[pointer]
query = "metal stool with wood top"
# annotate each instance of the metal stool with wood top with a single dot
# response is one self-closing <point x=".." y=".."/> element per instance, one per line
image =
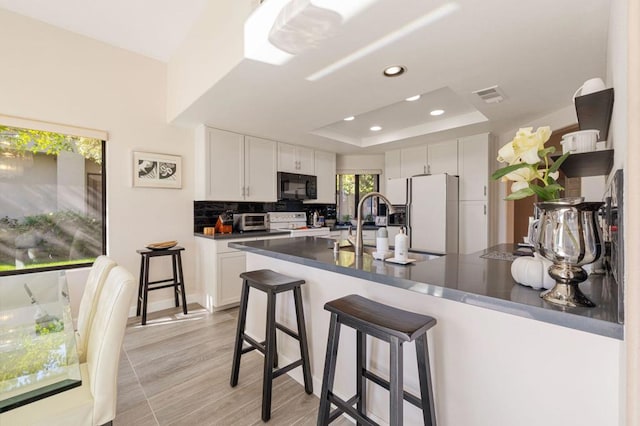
<point x="271" y="283"/>
<point x="177" y="281"/>
<point x="389" y="324"/>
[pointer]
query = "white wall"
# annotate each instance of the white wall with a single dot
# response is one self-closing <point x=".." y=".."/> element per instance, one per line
<point x="617" y="78"/>
<point x="53" y="75"/>
<point x="212" y="48"/>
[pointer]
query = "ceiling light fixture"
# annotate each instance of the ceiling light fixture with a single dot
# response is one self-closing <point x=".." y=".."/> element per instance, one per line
<point x="394" y="71"/>
<point x="423" y="21"/>
<point x="375" y="128"/>
<point x="437" y="112"/>
<point x="412" y="98"/>
<point x="350" y="118"/>
<point x="277" y="30"/>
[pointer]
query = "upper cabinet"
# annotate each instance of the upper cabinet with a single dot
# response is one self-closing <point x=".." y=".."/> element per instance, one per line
<point x="392" y="164"/>
<point x="260" y="169"/>
<point x="413" y="161"/>
<point x="443" y="158"/>
<point x="295" y="159"/>
<point x="473" y="167"/>
<point x="234" y="167"/>
<point x="325" y="170"/>
<point x="431" y="159"/>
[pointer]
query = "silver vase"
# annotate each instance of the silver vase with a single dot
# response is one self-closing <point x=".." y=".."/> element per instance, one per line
<point x="569" y="235"/>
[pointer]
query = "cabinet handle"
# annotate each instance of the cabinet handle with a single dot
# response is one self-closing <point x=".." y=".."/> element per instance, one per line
<point x="243" y="191"/>
<point x="485" y="190"/>
<point x="428" y="169"/>
<point x="485" y="209"/>
<point x="247" y="194"/>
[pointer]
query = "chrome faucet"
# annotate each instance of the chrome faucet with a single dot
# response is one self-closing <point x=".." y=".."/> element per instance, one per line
<point x="358" y="246"/>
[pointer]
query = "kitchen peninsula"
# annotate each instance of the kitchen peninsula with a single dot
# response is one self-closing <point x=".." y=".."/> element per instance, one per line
<point x="500" y="355"/>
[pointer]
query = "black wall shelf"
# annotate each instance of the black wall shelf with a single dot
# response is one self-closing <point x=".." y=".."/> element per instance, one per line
<point x="594" y="111"/>
<point x="583" y="164"/>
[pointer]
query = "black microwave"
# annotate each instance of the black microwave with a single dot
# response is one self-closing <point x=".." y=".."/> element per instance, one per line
<point x="292" y="186"/>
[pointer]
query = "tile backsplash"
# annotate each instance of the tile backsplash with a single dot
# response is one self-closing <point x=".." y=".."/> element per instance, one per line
<point x="205" y="213"/>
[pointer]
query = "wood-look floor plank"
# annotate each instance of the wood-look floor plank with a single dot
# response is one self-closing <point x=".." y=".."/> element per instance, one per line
<point x="175" y="371"/>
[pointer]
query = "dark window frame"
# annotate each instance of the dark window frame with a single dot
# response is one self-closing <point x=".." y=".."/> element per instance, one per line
<point x="103" y="171"/>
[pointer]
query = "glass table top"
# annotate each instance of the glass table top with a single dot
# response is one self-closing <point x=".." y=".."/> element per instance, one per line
<point x="38" y="355"/>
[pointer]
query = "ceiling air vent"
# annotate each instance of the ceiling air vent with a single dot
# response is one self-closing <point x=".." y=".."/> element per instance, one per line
<point x="491" y="95"/>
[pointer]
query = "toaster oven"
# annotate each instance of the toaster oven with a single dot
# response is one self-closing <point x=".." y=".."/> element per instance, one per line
<point x="250" y="221"/>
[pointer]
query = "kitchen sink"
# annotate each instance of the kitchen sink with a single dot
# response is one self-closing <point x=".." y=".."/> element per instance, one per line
<point x="368" y="251"/>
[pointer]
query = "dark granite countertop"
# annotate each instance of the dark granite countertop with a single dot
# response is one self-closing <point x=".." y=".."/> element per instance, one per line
<point x="235" y="235"/>
<point x="468" y="279"/>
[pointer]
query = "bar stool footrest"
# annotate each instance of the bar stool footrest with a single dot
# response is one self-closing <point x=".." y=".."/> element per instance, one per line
<point x="385" y="384"/>
<point x="287" y="330"/>
<point x="254" y="344"/>
<point x="347" y="407"/>
<point x="287" y="368"/>
<point x="158" y="287"/>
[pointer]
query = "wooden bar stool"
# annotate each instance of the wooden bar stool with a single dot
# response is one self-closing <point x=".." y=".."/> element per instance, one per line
<point x="389" y="324"/>
<point x="145" y="286"/>
<point x="271" y="283"/>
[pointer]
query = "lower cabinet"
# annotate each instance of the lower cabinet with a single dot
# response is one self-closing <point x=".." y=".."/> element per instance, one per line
<point x="230" y="266"/>
<point x="473" y="232"/>
<point x="218" y="269"/>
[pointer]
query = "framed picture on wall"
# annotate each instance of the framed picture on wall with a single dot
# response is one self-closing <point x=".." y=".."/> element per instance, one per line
<point x="151" y="170"/>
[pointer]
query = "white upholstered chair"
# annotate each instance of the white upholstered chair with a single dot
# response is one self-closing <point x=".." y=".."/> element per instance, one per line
<point x="93" y="403"/>
<point x="97" y="276"/>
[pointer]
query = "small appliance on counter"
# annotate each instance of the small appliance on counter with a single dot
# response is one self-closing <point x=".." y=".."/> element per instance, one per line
<point x="250" y="222"/>
<point x="224" y="224"/>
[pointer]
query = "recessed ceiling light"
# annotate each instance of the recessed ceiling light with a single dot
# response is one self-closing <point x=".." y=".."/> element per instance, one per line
<point x="350" y="118"/>
<point x="394" y="71"/>
<point x="413" y="98"/>
<point x="437" y="112"/>
<point x="375" y="128"/>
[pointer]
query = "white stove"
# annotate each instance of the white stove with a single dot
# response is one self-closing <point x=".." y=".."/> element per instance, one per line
<point x="295" y="223"/>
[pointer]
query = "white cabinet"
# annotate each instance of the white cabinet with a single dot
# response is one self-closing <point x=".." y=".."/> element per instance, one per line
<point x="392" y="164"/>
<point x="473" y="167"/>
<point x="230" y="266"/>
<point x="432" y="159"/>
<point x="218" y="269"/>
<point x="325" y="170"/>
<point x="413" y="161"/>
<point x="443" y="158"/>
<point x="295" y="159"/>
<point x="233" y="167"/>
<point x="260" y="183"/>
<point x="473" y="226"/>
<point x="477" y="206"/>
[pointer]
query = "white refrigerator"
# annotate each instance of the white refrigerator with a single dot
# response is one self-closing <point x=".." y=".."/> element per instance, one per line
<point x="432" y="211"/>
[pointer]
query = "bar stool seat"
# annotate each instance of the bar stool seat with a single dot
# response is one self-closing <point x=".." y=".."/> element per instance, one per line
<point x="271" y="283"/>
<point x="394" y="326"/>
<point x="176" y="281"/>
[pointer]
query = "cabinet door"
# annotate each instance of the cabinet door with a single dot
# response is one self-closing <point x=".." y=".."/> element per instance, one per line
<point x="226" y="165"/>
<point x="287" y="161"/>
<point x="392" y="164"/>
<point x="443" y="158"/>
<point x="325" y="170"/>
<point x="260" y="169"/>
<point x="473" y="226"/>
<point x="305" y="158"/>
<point x="413" y="161"/>
<point x="230" y="266"/>
<point x="473" y="167"/>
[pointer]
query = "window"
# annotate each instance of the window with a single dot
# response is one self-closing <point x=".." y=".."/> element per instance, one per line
<point x="351" y="188"/>
<point x="52" y="203"/>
